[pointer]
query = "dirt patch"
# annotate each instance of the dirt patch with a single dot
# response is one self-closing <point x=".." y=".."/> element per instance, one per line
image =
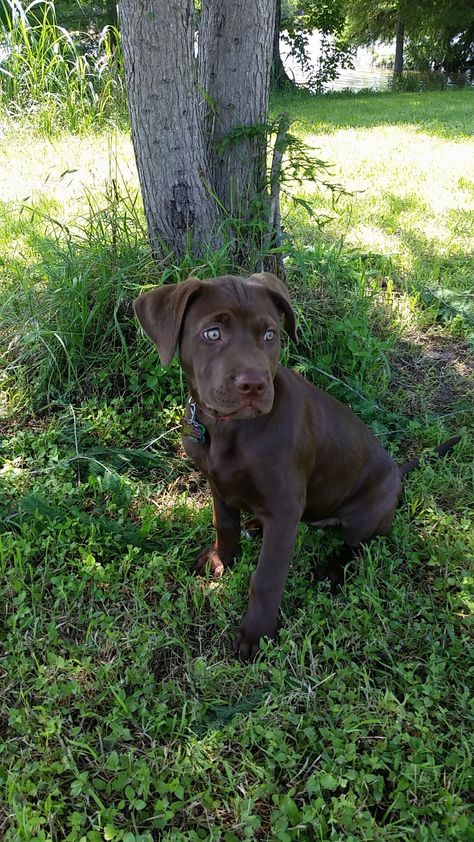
<point x="431" y="373"/>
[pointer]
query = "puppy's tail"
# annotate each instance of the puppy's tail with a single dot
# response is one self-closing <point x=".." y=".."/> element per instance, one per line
<point x="441" y="450"/>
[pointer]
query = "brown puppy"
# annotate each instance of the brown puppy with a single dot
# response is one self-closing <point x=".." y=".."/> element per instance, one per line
<point x="267" y="441"/>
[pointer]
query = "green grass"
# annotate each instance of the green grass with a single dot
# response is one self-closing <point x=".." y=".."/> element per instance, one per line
<point x="445" y="115"/>
<point x="54" y="79"/>
<point x="407" y="159"/>
<point x="123" y="713"/>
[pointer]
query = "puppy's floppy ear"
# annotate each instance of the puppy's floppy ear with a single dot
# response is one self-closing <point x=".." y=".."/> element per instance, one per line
<point x="279" y="294"/>
<point x="160" y="313"/>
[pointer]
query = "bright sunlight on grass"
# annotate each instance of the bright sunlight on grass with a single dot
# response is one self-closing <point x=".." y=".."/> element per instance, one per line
<point x="123" y="714"/>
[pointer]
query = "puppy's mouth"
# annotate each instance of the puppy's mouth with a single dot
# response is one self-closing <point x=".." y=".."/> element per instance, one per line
<point x="247" y="408"/>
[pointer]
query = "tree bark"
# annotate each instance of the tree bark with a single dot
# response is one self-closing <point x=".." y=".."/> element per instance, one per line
<point x="398" y="66"/>
<point x="235" y="53"/>
<point x="111" y="13"/>
<point x="279" y="76"/>
<point x="158" y="48"/>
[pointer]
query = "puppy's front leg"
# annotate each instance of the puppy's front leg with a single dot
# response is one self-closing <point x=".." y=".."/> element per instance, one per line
<point x="226" y="547"/>
<point x="267" y="582"/>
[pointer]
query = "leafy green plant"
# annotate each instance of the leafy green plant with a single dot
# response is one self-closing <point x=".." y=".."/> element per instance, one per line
<point x="253" y="237"/>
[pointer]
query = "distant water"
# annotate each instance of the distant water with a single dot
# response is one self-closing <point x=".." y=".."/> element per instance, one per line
<point x="365" y="73"/>
<point x="377" y="78"/>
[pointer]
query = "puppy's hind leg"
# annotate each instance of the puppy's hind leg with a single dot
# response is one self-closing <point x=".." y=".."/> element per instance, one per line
<point x="334" y="571"/>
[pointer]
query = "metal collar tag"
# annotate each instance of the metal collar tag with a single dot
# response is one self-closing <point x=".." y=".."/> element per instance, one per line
<point x="192" y="429"/>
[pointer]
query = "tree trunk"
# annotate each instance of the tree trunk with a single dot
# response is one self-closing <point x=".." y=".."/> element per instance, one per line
<point x="280" y="78"/>
<point x="398" y="66"/>
<point x="111" y="13"/>
<point x="158" y="48"/>
<point x="111" y="16"/>
<point x="235" y="52"/>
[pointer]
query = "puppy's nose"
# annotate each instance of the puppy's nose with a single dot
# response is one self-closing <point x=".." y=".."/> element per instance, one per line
<point x="251" y="384"/>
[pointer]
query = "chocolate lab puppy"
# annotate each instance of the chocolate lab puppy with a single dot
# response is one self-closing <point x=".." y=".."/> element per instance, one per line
<point x="267" y="441"/>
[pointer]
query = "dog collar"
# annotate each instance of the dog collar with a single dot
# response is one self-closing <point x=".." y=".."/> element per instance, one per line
<point x="192" y="429"/>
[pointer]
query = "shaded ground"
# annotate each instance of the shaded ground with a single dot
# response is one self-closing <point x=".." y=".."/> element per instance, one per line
<point x="433" y="373"/>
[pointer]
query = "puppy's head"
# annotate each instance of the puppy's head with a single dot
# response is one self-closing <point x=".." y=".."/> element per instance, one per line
<point x="228" y="332"/>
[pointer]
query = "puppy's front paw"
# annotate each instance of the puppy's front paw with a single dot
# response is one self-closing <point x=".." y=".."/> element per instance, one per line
<point x="211" y="562"/>
<point x="253" y="627"/>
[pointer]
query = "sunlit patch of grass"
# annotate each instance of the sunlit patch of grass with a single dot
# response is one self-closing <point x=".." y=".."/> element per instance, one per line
<point x="411" y="203"/>
<point x="447" y="115"/>
<point x="380" y="167"/>
<point x="59" y="171"/>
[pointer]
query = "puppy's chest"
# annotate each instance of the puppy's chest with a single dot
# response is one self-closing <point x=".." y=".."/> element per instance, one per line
<point x="227" y="467"/>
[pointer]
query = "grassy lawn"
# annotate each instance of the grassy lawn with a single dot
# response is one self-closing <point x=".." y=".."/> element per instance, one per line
<point x="123" y="714"/>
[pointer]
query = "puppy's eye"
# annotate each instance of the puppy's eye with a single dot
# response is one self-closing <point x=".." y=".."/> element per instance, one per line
<point x="269" y="335"/>
<point x="212" y="335"/>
